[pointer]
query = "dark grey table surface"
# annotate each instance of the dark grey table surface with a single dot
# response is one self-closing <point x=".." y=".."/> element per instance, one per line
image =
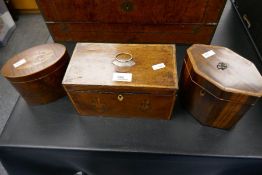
<point x="57" y="125"/>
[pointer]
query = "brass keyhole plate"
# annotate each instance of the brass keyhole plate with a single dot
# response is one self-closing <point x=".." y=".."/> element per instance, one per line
<point x="127" y="6"/>
<point x="202" y="93"/>
<point x="120" y="97"/>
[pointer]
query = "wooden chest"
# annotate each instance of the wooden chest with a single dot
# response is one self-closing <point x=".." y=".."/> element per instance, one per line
<point x="132" y="21"/>
<point x="37" y="73"/>
<point x="218" y="86"/>
<point x="95" y="88"/>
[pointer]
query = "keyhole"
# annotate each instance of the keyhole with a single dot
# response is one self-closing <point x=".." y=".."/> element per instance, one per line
<point x="120" y="97"/>
<point x="202" y="93"/>
<point x="127" y="6"/>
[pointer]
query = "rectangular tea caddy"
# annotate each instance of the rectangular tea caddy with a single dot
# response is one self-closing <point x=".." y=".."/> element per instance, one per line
<point x="96" y="88"/>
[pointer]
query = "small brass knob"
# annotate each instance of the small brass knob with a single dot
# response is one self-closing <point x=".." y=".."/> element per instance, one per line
<point x="120" y="97"/>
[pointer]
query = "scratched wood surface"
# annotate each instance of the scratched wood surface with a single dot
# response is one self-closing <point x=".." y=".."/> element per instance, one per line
<point x="151" y="93"/>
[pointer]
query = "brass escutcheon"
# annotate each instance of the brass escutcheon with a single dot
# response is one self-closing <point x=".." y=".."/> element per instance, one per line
<point x="202" y="93"/>
<point x="120" y="97"/>
<point x="127" y="6"/>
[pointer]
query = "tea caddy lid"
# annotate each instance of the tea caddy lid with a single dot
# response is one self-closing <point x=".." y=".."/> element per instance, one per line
<point x="34" y="62"/>
<point x="91" y="68"/>
<point x="225" y="69"/>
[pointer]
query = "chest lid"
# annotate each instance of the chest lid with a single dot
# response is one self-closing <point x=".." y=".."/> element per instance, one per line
<point x="91" y="68"/>
<point x="225" y="69"/>
<point x="34" y="62"/>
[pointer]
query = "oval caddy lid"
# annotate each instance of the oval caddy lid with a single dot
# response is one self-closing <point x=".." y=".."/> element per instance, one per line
<point x="226" y="69"/>
<point x="33" y="62"/>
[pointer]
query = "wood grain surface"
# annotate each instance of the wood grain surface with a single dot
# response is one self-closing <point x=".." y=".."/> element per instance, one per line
<point x="151" y="93"/>
<point x="130" y="33"/>
<point x="139" y="21"/>
<point x="218" y="98"/>
<point x="240" y="76"/>
<point x="37" y="73"/>
<point x="39" y="60"/>
<point x="140" y="12"/>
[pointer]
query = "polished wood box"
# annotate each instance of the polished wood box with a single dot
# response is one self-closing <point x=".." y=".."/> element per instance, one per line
<point x="218" y="86"/>
<point x="132" y="21"/>
<point x="151" y="93"/>
<point x="37" y="73"/>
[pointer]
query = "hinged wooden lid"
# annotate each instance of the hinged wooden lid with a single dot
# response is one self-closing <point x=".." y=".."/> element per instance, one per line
<point x="225" y="69"/>
<point x="34" y="62"/>
<point x="91" y="68"/>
